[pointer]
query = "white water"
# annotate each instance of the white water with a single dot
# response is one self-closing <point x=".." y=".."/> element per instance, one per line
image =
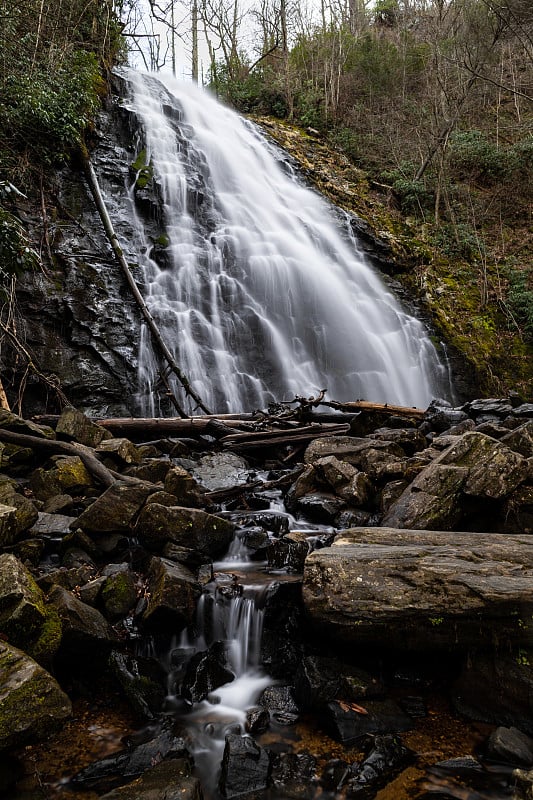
<point x="238" y="621"/>
<point x="267" y="295"/>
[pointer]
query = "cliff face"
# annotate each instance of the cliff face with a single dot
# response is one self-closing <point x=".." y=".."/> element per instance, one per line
<point x="80" y="322"/>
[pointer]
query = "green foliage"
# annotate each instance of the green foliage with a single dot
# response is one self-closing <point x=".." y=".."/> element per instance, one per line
<point x="458" y="240"/>
<point x="45" y="113"/>
<point x="257" y="91"/>
<point x="413" y="194"/>
<point x="520" y="298"/>
<point x="473" y="155"/>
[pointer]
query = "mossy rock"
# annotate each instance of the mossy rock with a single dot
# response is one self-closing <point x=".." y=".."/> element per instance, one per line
<point x="32" y="703"/>
<point x="68" y="475"/>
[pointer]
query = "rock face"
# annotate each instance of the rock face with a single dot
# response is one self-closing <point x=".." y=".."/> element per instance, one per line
<point x="420" y="590"/>
<point x="31" y="702"/>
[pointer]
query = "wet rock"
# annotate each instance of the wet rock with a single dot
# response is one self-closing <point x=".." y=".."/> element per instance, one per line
<point x="510" y="746"/>
<point x="408" y="589"/>
<point x="116" y="509"/>
<point x="496" y="408"/>
<point x="173" y="592"/>
<point x="185" y="527"/>
<point x="384" y="758"/>
<point x="73" y="425"/>
<point x="29" y="551"/>
<point x="319" y="680"/>
<point x="245" y="767"/>
<point x="465" y="777"/>
<point x="257" y="720"/>
<point x="221" y="470"/>
<point x="142" y="681"/>
<point x="294" y="775"/>
<point x="319" y="506"/>
<point x="517" y="513"/>
<point x="31" y="701"/>
<point x="85" y="630"/>
<point x="279" y="701"/>
<point x="54" y="525"/>
<point x="390" y="493"/>
<point x="289" y="552"/>
<point x="185" y="489"/>
<point x="68" y="475"/>
<point x="120" y="450"/>
<point x="170" y="780"/>
<point x="127" y="764"/>
<point x="205" y="672"/>
<point x="349" y="722"/>
<point x="497" y="688"/>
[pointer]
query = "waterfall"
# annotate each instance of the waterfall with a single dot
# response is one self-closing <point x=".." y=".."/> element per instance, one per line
<point x="263" y="293"/>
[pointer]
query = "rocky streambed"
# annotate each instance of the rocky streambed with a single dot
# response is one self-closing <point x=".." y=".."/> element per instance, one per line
<point x="348" y="618"/>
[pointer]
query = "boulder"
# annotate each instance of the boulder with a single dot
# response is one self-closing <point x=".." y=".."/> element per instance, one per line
<point x="24" y="618"/>
<point x="173" y="592"/>
<point x="116" y="509"/>
<point x="54" y="525"/>
<point x="289" y="552"/>
<point x="85" y="630"/>
<point x="187" y="527"/>
<point x="31" y="701"/>
<point x="119" y="594"/>
<point x="121" y="451"/>
<point x="73" y="425"/>
<point x="497" y="688"/>
<point x="294" y="775"/>
<point x="143" y="682"/>
<point x="205" y="672"/>
<point x="350" y="722"/>
<point x="520" y="439"/>
<point x="185" y="489"/>
<point x="11" y="422"/>
<point x="421" y="590"/>
<point x="26" y="510"/>
<point x="245" y="767"/>
<point x="220" y="470"/>
<point x="68" y="475"/>
<point x="510" y="746"/>
<point x="475" y="466"/>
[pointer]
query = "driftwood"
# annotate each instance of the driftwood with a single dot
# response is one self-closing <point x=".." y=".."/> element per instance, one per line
<point x="95" y="467"/>
<point x="275" y="438"/>
<point x="208" y="424"/>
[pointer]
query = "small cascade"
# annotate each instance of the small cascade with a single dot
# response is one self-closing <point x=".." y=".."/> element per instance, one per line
<point x="227" y="643"/>
<point x="256" y="283"/>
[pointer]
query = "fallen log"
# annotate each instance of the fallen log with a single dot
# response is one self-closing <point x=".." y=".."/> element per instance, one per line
<point x="384" y="408"/>
<point x="282" y="438"/>
<point x="158" y="426"/>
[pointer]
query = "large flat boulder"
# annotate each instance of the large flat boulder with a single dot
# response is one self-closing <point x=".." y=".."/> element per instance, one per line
<point x="31" y="701"/>
<point x="419" y="590"/>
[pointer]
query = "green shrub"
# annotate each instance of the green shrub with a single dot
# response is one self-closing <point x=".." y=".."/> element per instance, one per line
<point x="472" y="155"/>
<point x="520" y="298"/>
<point x="16" y="255"/>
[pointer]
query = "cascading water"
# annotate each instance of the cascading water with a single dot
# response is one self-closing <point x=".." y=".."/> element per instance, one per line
<point x="263" y="293"/>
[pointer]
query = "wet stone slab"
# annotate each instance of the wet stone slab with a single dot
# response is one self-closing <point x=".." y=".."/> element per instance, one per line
<point x="420" y="590"/>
